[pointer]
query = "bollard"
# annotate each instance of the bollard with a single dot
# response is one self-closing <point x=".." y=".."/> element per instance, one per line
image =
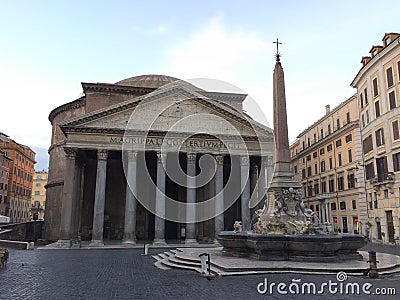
<point x="203" y="259"/>
<point x="146" y="248"/>
<point x="373" y="265"/>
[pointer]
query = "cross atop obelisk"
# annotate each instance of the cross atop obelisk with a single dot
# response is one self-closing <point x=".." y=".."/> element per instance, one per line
<point x="277" y="55"/>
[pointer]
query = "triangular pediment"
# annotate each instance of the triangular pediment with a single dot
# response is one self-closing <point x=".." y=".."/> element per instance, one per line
<point x="178" y="107"/>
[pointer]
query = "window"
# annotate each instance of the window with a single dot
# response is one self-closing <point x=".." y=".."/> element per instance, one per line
<point x="321" y="151"/>
<point x="342" y="205"/>
<point x="340" y="181"/>
<point x="386" y="194"/>
<point x="323" y="166"/>
<point x="367" y="144"/>
<point x="353" y="204"/>
<point x="350" y="181"/>
<point x="37" y="193"/>
<point x="338" y="143"/>
<point x="303" y="173"/>
<point x="315" y="138"/>
<point x="396" y="162"/>
<point x="350" y="156"/>
<point x="340" y="159"/>
<point x="395" y="126"/>
<point x="337" y="123"/>
<point x="392" y="100"/>
<point x="348" y="138"/>
<point x="322" y="133"/>
<point x="379" y="137"/>
<point x="387" y="41"/>
<point x="330" y="163"/>
<point x="331" y="184"/>
<point x="308" y="171"/>
<point x="348" y="117"/>
<point x="315" y="154"/>
<point x="308" y="142"/>
<point x="398" y="69"/>
<point x="367" y="116"/>
<point x="363" y="121"/>
<point x="361" y="101"/>
<point x="375" y="86"/>
<point x="316" y="168"/>
<point x="389" y="77"/>
<point x="375" y="200"/>
<point x="316" y="187"/>
<point x="323" y="185"/>
<point x="377" y="109"/>
<point x="308" y="157"/>
<point x="329" y="128"/>
<point x="369" y="170"/>
<point x="309" y="190"/>
<point x="38" y="184"/>
<point x="295" y="169"/>
<point x="365" y="96"/>
<point x="329" y="147"/>
<point x="333" y="206"/>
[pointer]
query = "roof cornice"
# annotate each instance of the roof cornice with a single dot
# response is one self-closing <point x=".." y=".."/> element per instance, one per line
<point x="115" y="88"/>
<point x="374" y="60"/>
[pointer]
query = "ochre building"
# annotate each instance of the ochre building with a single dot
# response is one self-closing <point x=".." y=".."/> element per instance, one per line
<point x="325" y="159"/>
<point x="378" y="95"/>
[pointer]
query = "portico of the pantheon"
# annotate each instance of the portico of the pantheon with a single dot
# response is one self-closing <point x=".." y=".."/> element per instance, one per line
<point x="154" y="159"/>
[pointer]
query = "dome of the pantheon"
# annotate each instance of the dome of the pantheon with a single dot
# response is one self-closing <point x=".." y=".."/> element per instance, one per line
<point x="147" y="81"/>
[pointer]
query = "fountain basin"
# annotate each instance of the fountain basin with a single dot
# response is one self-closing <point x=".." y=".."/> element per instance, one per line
<point x="297" y="247"/>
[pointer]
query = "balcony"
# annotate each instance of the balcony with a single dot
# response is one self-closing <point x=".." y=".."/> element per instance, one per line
<point x="322" y="196"/>
<point x="383" y="180"/>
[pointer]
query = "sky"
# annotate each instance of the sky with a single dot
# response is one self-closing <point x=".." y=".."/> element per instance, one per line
<point x="47" y="48"/>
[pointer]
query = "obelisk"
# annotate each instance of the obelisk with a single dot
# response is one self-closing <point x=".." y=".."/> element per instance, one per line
<point x="282" y="175"/>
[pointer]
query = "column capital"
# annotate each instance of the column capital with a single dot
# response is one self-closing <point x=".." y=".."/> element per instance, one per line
<point x="102" y="154"/>
<point x="191" y="158"/>
<point x="161" y="157"/>
<point x="219" y="159"/>
<point x="244" y="160"/>
<point x="132" y="155"/>
<point x="70" y="152"/>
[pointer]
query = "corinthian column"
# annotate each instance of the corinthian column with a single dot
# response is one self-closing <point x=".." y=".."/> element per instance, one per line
<point x="99" y="199"/>
<point x="69" y="202"/>
<point x="130" y="202"/>
<point x="219" y="196"/>
<point x="159" y="235"/>
<point x="191" y="199"/>
<point x="245" y="197"/>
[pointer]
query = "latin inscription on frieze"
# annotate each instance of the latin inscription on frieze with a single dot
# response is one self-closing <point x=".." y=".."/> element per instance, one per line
<point x="177" y="143"/>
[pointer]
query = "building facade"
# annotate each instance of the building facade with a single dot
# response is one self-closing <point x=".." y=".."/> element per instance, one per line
<point x="5" y="162"/>
<point x="325" y="158"/>
<point x="378" y="94"/>
<point x="116" y="151"/>
<point x="38" y="201"/>
<point x="21" y="169"/>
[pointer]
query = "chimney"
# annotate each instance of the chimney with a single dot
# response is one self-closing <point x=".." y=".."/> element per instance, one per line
<point x="327" y="109"/>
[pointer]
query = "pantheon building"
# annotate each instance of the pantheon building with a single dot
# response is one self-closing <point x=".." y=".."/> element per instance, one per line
<point x="154" y="159"/>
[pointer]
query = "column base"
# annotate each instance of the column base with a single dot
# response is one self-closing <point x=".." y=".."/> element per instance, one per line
<point x="159" y="242"/>
<point x="128" y="242"/>
<point x="96" y="243"/>
<point x="69" y="244"/>
<point x="190" y="241"/>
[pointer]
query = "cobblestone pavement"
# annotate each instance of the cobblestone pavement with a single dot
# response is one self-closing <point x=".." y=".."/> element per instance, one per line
<point x="126" y="274"/>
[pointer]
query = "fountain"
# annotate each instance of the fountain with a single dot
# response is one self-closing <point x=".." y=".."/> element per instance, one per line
<point x="284" y="229"/>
